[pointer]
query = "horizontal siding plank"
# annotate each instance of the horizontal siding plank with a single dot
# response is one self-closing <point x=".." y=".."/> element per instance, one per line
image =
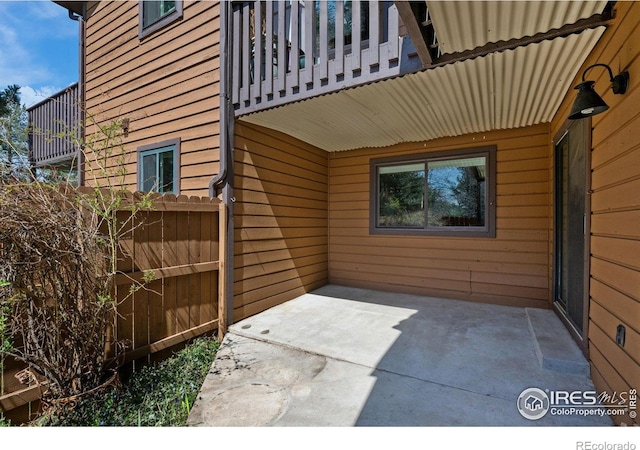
<point x="620" y="251"/>
<point x="284" y="254"/>
<point x="257" y="209"/>
<point x="392" y="286"/>
<point x="259" y="247"/>
<point x="621" y="224"/>
<point x="291" y="178"/>
<point x="620" y="196"/>
<point x="293" y="190"/>
<point x="341" y="254"/>
<point x="628" y="369"/>
<point x="608" y="323"/>
<point x="616" y="302"/>
<point x="619" y="170"/>
<point x="622" y="279"/>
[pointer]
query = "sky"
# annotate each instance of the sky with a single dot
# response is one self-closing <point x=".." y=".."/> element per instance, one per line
<point x="38" y="48"/>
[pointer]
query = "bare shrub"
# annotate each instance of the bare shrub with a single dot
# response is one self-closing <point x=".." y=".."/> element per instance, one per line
<point x="58" y="284"/>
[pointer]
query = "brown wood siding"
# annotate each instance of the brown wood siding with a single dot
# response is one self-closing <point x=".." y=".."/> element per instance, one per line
<point x="615" y="208"/>
<point x="281" y="241"/>
<point x="166" y="84"/>
<point x="511" y="269"/>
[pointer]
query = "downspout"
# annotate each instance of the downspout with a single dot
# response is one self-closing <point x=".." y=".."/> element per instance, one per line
<point x="81" y="80"/>
<point x="223" y="180"/>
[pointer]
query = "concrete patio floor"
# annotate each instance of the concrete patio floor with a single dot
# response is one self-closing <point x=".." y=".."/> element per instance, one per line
<point x="352" y="357"/>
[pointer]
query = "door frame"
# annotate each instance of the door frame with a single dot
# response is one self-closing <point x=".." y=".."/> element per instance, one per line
<point x="581" y="339"/>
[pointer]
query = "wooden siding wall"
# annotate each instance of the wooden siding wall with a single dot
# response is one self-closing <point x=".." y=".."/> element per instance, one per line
<point x="511" y="269"/>
<point x="615" y="207"/>
<point x="280" y="219"/>
<point x="166" y="84"/>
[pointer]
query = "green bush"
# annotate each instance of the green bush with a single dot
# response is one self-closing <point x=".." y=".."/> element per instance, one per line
<point x="158" y="395"/>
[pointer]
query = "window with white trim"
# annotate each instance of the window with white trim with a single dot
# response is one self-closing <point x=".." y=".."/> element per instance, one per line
<point x="446" y="193"/>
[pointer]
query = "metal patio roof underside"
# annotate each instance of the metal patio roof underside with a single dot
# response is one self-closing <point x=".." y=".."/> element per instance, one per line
<point x="510" y="89"/>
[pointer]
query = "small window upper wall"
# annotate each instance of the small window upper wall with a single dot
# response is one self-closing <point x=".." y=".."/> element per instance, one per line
<point x="156" y="14"/>
<point x="159" y="167"/>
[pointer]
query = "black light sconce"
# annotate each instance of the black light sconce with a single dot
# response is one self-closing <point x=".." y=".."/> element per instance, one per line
<point x="588" y="102"/>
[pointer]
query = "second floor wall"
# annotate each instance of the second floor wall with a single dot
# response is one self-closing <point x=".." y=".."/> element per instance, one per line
<point x="155" y="74"/>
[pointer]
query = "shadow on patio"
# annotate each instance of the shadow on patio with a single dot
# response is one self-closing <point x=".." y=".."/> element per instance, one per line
<point x="344" y="356"/>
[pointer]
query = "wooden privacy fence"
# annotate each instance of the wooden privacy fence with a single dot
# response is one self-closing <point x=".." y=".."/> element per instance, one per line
<point x="180" y="243"/>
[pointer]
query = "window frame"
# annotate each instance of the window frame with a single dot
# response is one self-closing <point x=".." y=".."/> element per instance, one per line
<point x="155" y="148"/>
<point x="486" y="231"/>
<point x="161" y="22"/>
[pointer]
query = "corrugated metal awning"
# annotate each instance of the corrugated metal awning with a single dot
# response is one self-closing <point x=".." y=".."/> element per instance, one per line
<point x="510" y="89"/>
<point x="464" y="25"/>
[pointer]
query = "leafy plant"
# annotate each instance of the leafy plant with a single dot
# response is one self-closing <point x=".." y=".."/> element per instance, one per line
<point x="4" y="422"/>
<point x="158" y="395"/>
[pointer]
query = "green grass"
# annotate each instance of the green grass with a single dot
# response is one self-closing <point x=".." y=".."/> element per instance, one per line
<point x="157" y="395"/>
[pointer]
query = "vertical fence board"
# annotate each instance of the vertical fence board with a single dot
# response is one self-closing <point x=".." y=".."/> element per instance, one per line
<point x="206" y="302"/>
<point x="158" y="328"/>
<point x="141" y="262"/>
<point x="194" y="258"/>
<point x="125" y="264"/>
<point x="182" y="303"/>
<point x="222" y="286"/>
<point x="182" y="288"/>
<point x="124" y="321"/>
<point x="157" y="320"/>
<point x="153" y="245"/>
<point x="170" y="259"/>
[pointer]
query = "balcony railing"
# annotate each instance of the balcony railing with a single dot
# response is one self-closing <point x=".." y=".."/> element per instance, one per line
<point x="284" y="51"/>
<point x="55" y="128"/>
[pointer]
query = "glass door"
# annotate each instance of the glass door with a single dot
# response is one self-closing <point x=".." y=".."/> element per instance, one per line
<point x="571" y="223"/>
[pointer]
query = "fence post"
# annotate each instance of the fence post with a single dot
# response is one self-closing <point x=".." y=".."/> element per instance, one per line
<point x="222" y="285"/>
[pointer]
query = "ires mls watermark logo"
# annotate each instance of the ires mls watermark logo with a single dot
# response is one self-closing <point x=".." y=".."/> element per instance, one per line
<point x="534" y="403"/>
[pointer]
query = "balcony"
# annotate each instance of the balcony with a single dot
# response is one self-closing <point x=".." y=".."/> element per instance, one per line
<point x="286" y="51"/>
<point x="55" y="128"/>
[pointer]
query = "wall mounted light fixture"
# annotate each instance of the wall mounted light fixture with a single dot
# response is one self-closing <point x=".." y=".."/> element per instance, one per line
<point x="588" y="102"/>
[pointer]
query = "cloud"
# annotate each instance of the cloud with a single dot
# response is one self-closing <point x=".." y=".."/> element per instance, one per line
<point x="16" y="66"/>
<point x="30" y="96"/>
<point x="38" y="44"/>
